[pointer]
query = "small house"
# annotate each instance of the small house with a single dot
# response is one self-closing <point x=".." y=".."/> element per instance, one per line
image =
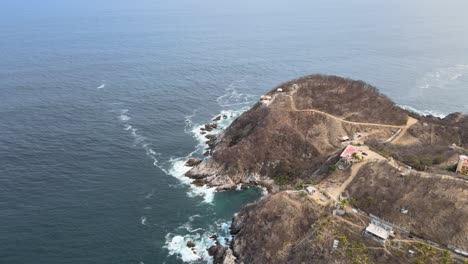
<point x="310" y="190"/>
<point x="279" y="90"/>
<point x="339" y="212"/>
<point x="348" y="152"/>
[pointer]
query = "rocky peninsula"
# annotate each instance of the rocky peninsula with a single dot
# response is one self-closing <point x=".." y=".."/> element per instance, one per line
<point x="352" y="178"/>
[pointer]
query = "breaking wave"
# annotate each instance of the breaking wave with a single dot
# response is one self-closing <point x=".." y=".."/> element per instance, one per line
<point x="178" y="169"/>
<point x="423" y="112"/>
<point x="194" y="129"/>
<point x="101" y="86"/>
<point x="140" y="140"/>
<point x="176" y="241"/>
<point x="177" y="244"/>
<point x="234" y="98"/>
<point x="176" y="166"/>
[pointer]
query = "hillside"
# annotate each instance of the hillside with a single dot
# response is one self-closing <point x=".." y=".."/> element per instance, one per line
<point x="290" y="136"/>
<point x="398" y="175"/>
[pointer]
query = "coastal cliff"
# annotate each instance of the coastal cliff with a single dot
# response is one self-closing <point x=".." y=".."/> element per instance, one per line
<point x="291" y="142"/>
<point x="289" y="136"/>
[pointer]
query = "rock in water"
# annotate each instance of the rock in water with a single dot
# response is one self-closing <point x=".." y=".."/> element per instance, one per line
<point x="190" y="244"/>
<point x="217" y="252"/>
<point x="193" y="162"/>
<point x="210" y="127"/>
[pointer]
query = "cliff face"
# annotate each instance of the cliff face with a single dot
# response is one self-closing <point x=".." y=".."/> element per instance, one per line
<point x="276" y="223"/>
<point x="295" y="133"/>
<point x="291" y="135"/>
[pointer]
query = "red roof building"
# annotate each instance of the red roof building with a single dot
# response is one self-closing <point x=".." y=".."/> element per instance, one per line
<point x="349" y="150"/>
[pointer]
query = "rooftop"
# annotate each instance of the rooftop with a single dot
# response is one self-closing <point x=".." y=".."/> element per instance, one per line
<point x="377" y="231"/>
<point x="349" y="150"/>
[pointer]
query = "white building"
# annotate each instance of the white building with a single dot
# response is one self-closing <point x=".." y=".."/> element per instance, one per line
<point x="311" y="190"/>
<point x="377" y="233"/>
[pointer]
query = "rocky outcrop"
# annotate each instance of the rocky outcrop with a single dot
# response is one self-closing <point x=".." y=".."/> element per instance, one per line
<point x="193" y="162"/>
<point x="215" y="174"/>
<point x="209" y="127"/>
<point x="190" y="244"/>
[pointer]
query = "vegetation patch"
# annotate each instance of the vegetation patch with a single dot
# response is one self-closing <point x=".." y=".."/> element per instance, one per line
<point x="355" y="251"/>
<point x="300" y="185"/>
<point x="282" y="180"/>
<point x="420" y="157"/>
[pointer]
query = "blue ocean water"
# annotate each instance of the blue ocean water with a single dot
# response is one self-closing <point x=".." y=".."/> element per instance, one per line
<point x="99" y="101"/>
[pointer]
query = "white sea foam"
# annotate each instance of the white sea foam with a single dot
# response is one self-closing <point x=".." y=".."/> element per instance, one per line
<point x="101" y="86"/>
<point x="140" y="140"/>
<point x="234" y="98"/>
<point x="188" y="121"/>
<point x="176" y="243"/>
<point x="191" y="218"/>
<point x="264" y="191"/>
<point x="149" y="195"/>
<point x="178" y="170"/>
<point x="444" y="78"/>
<point x="423" y="112"/>
<point x="222" y="124"/>
<point x="177" y="165"/>
<point x="123" y="115"/>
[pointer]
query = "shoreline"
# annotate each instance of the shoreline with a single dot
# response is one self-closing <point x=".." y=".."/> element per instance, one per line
<point x="212" y="172"/>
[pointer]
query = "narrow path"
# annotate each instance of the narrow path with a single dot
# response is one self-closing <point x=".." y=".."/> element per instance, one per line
<point x="411" y="121"/>
<point x="339" y="218"/>
<point x="429" y="175"/>
<point x="294" y="108"/>
<point x="335" y="192"/>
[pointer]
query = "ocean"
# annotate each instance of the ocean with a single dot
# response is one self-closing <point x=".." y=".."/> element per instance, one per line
<point x="101" y="101"/>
